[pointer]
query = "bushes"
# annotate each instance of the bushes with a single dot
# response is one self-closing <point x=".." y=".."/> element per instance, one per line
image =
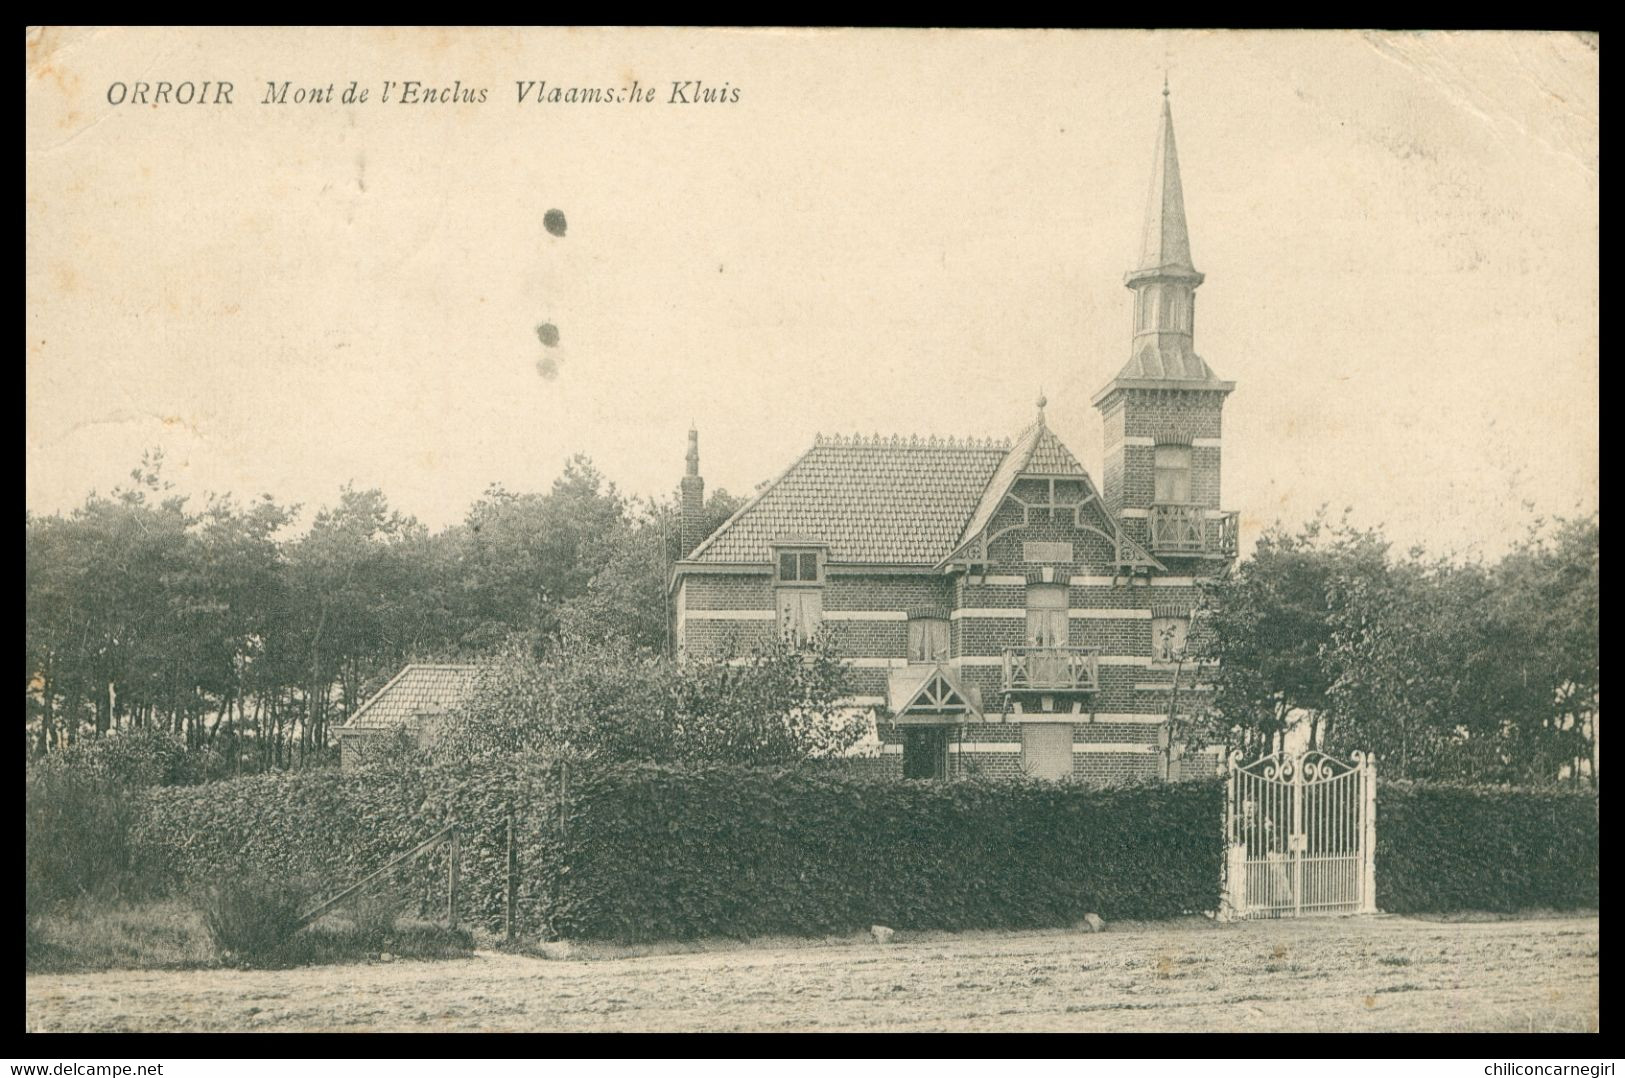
<point x="638" y="852"/>
<point x="75" y="827"/>
<point x="649" y="852"/>
<point x="251" y="915"/>
<point x="656" y="853"/>
<point x="1443" y="848"/>
<point x="335" y="827"/>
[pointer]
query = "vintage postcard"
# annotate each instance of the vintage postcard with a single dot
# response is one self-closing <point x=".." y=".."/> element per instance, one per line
<point x="788" y="530"/>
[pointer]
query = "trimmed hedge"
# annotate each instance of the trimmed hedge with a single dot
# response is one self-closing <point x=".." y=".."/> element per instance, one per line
<point x="327" y="829"/>
<point x="648" y="852"/>
<point x="1442" y="848"/>
<point x="640" y="852"/>
<point x="661" y="853"/>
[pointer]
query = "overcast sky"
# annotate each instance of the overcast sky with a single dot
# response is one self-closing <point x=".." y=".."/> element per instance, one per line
<point x="893" y="232"/>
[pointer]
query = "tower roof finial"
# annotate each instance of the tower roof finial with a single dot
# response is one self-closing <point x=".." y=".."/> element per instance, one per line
<point x="1042" y="402"/>
<point x="1164" y="82"/>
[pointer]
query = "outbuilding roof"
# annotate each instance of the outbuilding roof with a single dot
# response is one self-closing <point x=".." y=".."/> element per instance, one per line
<point x="418" y="691"/>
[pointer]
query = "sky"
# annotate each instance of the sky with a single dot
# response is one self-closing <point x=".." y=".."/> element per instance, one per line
<point x="887" y="231"/>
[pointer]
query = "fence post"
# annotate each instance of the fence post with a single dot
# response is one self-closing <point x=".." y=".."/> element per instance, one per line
<point x="510" y="896"/>
<point x="454" y="863"/>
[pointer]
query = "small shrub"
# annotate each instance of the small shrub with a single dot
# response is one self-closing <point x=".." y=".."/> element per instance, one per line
<point x="250" y="917"/>
<point x="76" y="830"/>
<point x="373" y="915"/>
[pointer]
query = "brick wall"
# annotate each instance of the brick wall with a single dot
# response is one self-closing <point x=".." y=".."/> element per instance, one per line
<point x="1127" y="479"/>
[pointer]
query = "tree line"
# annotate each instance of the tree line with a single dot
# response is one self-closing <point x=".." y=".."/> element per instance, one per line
<point x="212" y="622"/>
<point x="1448" y="669"/>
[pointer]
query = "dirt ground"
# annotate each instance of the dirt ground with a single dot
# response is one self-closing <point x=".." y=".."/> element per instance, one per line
<point x="1358" y="974"/>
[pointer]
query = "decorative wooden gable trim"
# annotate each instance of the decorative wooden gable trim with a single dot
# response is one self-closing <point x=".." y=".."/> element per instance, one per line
<point x="939" y="693"/>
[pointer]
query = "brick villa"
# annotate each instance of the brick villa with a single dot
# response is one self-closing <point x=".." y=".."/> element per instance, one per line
<point x="1002" y="612"/>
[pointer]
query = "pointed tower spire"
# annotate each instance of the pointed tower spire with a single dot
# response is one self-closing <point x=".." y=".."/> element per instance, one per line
<point x="1165" y="281"/>
<point x="1167" y="243"/>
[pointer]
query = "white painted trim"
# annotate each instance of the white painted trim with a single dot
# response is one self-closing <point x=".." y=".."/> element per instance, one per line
<point x="1021" y="612"/>
<point x="865" y="615"/>
<point x="1134" y="514"/>
<point x="862" y="701"/>
<point x="729" y="615"/>
<point x="876" y="663"/>
<point x="1127" y="747"/>
<point x="1094" y="581"/>
<point x="890" y="749"/>
<point x="1079" y="718"/>
<point x="1173" y="581"/>
<point x="998" y="660"/>
<point x="1166" y="685"/>
<point x="1149" y="442"/>
<point x="1008" y="580"/>
<point x="985" y="746"/>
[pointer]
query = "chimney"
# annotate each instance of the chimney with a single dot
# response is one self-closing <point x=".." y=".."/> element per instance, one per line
<point x="693" y="497"/>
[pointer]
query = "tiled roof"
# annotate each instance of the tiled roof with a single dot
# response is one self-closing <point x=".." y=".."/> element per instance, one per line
<point x="890" y="500"/>
<point x="419" y="689"/>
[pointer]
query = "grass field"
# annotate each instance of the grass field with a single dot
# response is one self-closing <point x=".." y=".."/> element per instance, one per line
<point x="1374" y="974"/>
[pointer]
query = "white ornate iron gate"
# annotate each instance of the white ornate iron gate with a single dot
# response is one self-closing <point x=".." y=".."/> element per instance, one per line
<point x="1301" y="829"/>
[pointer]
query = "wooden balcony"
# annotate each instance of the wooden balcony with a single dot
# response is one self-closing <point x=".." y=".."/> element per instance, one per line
<point x="1188" y="529"/>
<point x="1044" y="669"/>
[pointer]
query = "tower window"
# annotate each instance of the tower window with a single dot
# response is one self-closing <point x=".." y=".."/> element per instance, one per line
<point x="1173" y="474"/>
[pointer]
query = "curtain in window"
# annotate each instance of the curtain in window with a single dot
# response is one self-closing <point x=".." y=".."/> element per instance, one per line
<point x="1173" y="475"/>
<point x="927" y="640"/>
<point x="801" y="612"/>
<point x="1046" y="615"/>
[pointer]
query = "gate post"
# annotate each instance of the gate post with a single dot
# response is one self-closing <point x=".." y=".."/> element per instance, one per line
<point x="1233" y="894"/>
<point x="1368" y="839"/>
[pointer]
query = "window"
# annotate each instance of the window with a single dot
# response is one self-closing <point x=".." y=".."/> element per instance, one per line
<point x="925" y="754"/>
<point x="798" y="567"/>
<point x="927" y="640"/>
<point x="801" y="612"/>
<point x="1168" y="638"/>
<point x="1046" y="750"/>
<point x="1046" y="615"/>
<point x="1173" y="475"/>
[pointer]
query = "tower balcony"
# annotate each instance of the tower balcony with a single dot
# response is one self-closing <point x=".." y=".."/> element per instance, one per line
<point x="1051" y="669"/>
<point x="1190" y="530"/>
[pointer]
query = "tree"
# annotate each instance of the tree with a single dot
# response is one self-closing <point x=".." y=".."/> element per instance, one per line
<point x="596" y="700"/>
<point x="1267" y="625"/>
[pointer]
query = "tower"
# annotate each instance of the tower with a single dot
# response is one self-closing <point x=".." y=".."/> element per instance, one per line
<point x="1162" y="412"/>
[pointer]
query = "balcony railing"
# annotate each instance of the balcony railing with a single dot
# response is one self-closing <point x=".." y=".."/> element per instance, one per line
<point x="1041" y="669"/>
<point x="1187" y="529"/>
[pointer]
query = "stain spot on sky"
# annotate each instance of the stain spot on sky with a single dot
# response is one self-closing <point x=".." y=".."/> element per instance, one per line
<point x="553" y="221"/>
<point x="548" y="334"/>
<point x="548" y="368"/>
